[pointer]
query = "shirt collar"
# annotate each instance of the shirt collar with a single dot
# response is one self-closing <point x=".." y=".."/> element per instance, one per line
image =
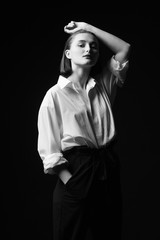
<point x="64" y="82"/>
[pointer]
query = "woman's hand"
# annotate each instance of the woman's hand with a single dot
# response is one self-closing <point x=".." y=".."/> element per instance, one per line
<point x="62" y="172"/>
<point x="73" y="27"/>
<point x="64" y="175"/>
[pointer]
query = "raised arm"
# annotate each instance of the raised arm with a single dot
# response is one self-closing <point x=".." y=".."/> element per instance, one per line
<point x="119" y="47"/>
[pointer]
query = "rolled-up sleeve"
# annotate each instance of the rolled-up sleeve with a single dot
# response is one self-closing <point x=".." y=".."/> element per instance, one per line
<point x="119" y="70"/>
<point x="49" y="141"/>
<point x="113" y="75"/>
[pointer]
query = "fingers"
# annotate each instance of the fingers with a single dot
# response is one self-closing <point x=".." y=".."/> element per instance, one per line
<point x="70" y="26"/>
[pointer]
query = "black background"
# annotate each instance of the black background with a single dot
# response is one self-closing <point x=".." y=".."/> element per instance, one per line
<point x="33" y="42"/>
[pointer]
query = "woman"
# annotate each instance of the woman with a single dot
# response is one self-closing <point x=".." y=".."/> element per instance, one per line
<point x="76" y="132"/>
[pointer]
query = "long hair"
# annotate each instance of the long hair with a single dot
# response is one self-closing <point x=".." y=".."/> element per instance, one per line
<point x="65" y="64"/>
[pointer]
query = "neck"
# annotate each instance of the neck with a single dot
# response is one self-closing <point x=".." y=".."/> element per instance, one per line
<point x="80" y="77"/>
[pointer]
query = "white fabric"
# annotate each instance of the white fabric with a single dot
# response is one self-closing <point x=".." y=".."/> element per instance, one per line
<point x="67" y="118"/>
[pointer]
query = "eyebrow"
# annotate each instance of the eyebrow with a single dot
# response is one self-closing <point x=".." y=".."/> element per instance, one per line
<point x="86" y="41"/>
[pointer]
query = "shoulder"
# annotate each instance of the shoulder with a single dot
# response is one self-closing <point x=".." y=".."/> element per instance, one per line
<point x="52" y="92"/>
<point x="50" y="96"/>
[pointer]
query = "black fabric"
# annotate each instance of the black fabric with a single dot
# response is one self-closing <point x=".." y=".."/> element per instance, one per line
<point x="88" y="206"/>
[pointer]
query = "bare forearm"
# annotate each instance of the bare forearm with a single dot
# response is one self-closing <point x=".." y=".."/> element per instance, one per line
<point x="117" y="45"/>
<point x="63" y="173"/>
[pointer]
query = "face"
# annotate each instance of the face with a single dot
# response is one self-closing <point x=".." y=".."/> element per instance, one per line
<point x="84" y="50"/>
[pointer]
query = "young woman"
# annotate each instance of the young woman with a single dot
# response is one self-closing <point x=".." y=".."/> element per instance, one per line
<point x="76" y="132"/>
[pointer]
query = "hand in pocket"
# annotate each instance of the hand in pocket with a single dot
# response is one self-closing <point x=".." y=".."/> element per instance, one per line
<point x="65" y="175"/>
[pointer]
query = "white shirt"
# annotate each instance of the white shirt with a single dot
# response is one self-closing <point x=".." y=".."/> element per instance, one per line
<point x="67" y="118"/>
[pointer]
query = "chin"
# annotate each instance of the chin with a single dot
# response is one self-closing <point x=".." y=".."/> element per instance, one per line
<point x="90" y="63"/>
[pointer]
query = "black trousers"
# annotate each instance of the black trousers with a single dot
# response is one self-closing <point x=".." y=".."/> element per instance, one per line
<point x="88" y="206"/>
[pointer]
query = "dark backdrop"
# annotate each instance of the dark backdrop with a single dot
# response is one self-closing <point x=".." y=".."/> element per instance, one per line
<point x="33" y="42"/>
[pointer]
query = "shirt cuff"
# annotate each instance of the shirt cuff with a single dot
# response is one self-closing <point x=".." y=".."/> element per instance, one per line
<point x="119" y="70"/>
<point x="117" y="65"/>
<point x="53" y="160"/>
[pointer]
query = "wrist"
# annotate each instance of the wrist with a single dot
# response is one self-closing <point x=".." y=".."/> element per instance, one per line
<point x="64" y="175"/>
<point x="88" y="27"/>
<point x="91" y="29"/>
<point x="60" y="167"/>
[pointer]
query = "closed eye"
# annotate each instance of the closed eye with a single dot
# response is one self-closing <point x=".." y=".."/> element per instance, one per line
<point x="93" y="45"/>
<point x="81" y="45"/>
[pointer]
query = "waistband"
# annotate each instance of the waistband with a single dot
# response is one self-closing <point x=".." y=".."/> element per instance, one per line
<point x="102" y="157"/>
<point x="84" y="148"/>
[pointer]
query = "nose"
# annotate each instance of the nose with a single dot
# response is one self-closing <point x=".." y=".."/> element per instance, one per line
<point x="87" y="48"/>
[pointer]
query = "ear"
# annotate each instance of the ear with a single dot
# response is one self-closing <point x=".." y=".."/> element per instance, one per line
<point x="67" y="53"/>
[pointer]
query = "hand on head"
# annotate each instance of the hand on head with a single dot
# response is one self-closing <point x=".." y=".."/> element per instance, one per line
<point x="73" y="26"/>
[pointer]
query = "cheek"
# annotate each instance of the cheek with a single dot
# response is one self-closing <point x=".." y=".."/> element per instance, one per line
<point x="96" y="55"/>
<point x="76" y="52"/>
<point x="96" y="52"/>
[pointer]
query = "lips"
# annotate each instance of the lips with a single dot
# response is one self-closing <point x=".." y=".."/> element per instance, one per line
<point x="87" y="56"/>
